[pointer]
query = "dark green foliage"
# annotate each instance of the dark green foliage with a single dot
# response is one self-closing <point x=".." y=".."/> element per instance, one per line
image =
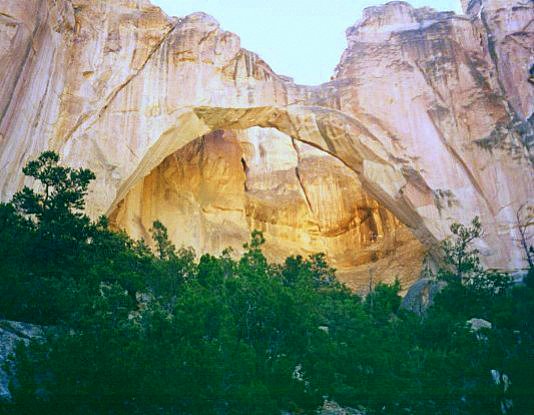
<point x="63" y="192"/>
<point x="165" y="248"/>
<point x="133" y="332"/>
<point x="462" y="258"/>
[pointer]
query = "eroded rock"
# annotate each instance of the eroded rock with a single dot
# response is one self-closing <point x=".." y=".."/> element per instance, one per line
<point x="11" y="333"/>
<point x="215" y="191"/>
<point x="421" y="295"/>
<point x="428" y="110"/>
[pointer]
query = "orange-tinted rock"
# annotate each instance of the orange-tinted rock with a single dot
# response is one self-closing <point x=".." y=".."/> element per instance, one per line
<point x="215" y="191"/>
<point x="428" y="114"/>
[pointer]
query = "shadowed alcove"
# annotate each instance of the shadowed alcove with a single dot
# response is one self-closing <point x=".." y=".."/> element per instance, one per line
<point x="215" y="190"/>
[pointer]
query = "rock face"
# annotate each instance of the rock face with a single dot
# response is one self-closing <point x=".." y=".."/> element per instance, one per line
<point x="421" y="295"/>
<point x="11" y="333"/>
<point x="224" y="185"/>
<point x="427" y="120"/>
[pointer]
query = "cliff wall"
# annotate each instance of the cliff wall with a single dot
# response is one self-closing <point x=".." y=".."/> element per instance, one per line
<point x="427" y="120"/>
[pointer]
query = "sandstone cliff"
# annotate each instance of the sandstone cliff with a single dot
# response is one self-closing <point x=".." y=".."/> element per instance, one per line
<point x="214" y="191"/>
<point x="427" y="120"/>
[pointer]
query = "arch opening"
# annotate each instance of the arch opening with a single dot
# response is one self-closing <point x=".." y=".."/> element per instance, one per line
<point x="212" y="192"/>
<point x="358" y="144"/>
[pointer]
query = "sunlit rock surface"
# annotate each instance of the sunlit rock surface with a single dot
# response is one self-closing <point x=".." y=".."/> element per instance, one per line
<point x="214" y="191"/>
<point x="428" y="115"/>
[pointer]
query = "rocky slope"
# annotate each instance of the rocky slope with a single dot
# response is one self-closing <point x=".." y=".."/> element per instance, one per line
<point x="12" y="333"/>
<point x="429" y="115"/>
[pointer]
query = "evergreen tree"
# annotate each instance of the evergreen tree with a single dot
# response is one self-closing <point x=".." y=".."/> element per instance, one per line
<point x="130" y="331"/>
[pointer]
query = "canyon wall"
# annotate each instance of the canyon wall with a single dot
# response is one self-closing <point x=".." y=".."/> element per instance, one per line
<point x="427" y="120"/>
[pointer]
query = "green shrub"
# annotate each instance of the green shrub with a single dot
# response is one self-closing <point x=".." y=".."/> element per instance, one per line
<point x="133" y="332"/>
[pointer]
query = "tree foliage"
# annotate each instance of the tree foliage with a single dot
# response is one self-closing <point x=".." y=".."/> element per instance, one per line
<point x="132" y="331"/>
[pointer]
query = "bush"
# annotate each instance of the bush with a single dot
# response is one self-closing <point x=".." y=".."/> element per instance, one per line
<point x="133" y="332"/>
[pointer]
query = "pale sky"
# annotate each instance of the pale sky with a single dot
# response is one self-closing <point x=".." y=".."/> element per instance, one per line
<point x="302" y="39"/>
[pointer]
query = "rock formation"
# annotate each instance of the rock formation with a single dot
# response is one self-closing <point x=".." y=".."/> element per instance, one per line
<point x="214" y="191"/>
<point x="12" y="333"/>
<point x="429" y="115"/>
<point x="422" y="294"/>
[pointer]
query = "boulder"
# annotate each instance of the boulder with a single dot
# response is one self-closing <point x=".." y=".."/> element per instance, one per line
<point x="11" y="333"/>
<point x="421" y="295"/>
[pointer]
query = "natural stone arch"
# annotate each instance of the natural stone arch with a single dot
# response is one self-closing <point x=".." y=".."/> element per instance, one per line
<point x="356" y="144"/>
<point x="214" y="191"/>
<point x="451" y="129"/>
